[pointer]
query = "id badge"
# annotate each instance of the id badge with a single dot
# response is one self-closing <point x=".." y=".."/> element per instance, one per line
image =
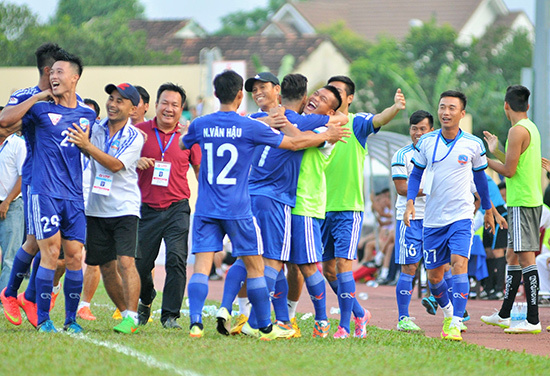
<point x="428" y="181"/>
<point x="161" y="173"/>
<point x="102" y="183"/>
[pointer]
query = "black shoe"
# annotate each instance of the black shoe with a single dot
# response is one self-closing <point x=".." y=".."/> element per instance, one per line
<point x="144" y="312"/>
<point x="497" y="295"/>
<point x="171" y="323"/>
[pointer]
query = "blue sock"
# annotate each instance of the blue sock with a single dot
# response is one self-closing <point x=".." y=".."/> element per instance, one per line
<point x="448" y="276"/>
<point x="21" y="263"/>
<point x="72" y="289"/>
<point x="357" y="310"/>
<point x="234" y="279"/>
<point x="259" y="298"/>
<point x="346" y="295"/>
<point x="403" y="292"/>
<point x="317" y="292"/>
<point x="197" y="291"/>
<point x="461" y="286"/>
<point x="280" y="306"/>
<point x="44" y="285"/>
<point x="30" y="292"/>
<point x="439" y="292"/>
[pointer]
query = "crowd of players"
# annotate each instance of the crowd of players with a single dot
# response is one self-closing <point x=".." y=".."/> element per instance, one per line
<point x="285" y="185"/>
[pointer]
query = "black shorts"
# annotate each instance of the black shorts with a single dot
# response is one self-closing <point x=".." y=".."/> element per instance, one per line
<point x="500" y="239"/>
<point x="108" y="238"/>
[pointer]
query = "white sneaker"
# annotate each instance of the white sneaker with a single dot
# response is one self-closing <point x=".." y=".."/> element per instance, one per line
<point x="524" y="327"/>
<point x="496" y="320"/>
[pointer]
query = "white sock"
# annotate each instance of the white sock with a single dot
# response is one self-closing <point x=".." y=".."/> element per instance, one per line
<point x="133" y="315"/>
<point x="82" y="304"/>
<point x="448" y="310"/>
<point x="244" y="306"/>
<point x="292" y="308"/>
<point x="456" y="321"/>
<point x="384" y="272"/>
<point x="124" y="313"/>
<point x="56" y="289"/>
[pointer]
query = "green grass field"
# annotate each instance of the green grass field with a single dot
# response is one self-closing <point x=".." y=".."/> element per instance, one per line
<point x="157" y="351"/>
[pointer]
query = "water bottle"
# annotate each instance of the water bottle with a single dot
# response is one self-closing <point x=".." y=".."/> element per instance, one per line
<point x="523" y="311"/>
<point x="363" y="296"/>
<point x="334" y="311"/>
<point x="515" y="315"/>
<point x="372" y="283"/>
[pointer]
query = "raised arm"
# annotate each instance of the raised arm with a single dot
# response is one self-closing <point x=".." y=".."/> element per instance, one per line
<point x="10" y="115"/>
<point x="389" y="113"/>
<point x="518" y="141"/>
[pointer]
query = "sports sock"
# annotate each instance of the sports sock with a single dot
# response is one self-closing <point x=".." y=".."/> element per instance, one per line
<point x="317" y="292"/>
<point x="72" y="290"/>
<point x="357" y="310"/>
<point x="403" y="293"/>
<point x="234" y="279"/>
<point x="500" y="275"/>
<point x="346" y="295"/>
<point x="448" y="276"/>
<point x="512" y="285"/>
<point x="279" y="298"/>
<point x="259" y="297"/>
<point x="134" y="316"/>
<point x="461" y="288"/>
<point x="292" y="305"/>
<point x="244" y="306"/>
<point x="440" y="293"/>
<point x="57" y="288"/>
<point x="21" y="263"/>
<point x="489" y="282"/>
<point x="82" y="304"/>
<point x="197" y="290"/>
<point x="124" y="313"/>
<point x="531" y="286"/>
<point x="44" y="282"/>
<point x="30" y="292"/>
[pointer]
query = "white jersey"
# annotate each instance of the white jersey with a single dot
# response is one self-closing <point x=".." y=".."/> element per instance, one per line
<point x="448" y="175"/>
<point x="124" y="197"/>
<point x="401" y="168"/>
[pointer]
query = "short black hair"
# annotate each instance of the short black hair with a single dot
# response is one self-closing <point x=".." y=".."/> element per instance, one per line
<point x="502" y="185"/>
<point x="350" y="85"/>
<point x="455" y="94"/>
<point x="74" y="60"/>
<point x="517" y="97"/>
<point x="227" y="85"/>
<point x="294" y="87"/>
<point x="143" y="94"/>
<point x="336" y="93"/>
<point x="420" y="115"/>
<point x="168" y="86"/>
<point x="90" y="101"/>
<point x="46" y="55"/>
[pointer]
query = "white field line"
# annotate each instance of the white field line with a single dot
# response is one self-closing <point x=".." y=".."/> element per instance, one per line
<point x="148" y="360"/>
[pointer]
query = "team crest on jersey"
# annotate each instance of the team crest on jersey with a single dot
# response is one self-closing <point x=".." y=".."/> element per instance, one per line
<point x="13" y="100"/>
<point x="462" y="159"/>
<point x="54" y="118"/>
<point x="84" y="123"/>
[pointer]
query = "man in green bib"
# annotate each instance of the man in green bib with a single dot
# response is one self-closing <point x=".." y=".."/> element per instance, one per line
<point x="521" y="165"/>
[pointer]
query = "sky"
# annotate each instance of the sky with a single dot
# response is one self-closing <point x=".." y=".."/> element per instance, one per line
<point x="209" y="12"/>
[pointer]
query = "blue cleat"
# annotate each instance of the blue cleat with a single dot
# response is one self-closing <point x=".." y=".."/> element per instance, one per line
<point x="430" y="304"/>
<point x="46" y="327"/>
<point x="73" y="328"/>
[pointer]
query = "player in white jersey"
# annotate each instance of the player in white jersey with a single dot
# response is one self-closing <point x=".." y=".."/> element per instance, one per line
<point x="448" y="156"/>
<point x="408" y="240"/>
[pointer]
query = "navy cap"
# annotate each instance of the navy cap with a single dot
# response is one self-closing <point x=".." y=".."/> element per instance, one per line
<point x="126" y="91"/>
<point x="264" y="77"/>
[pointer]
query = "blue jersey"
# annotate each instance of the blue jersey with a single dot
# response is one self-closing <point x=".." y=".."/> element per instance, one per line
<point x="28" y="131"/>
<point x="56" y="168"/>
<point x="227" y="141"/>
<point x="275" y="171"/>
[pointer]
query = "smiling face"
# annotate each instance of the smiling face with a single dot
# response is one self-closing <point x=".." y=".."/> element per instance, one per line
<point x="168" y="109"/>
<point x="450" y="112"/>
<point x="346" y="99"/>
<point x="321" y="102"/>
<point x="266" y="95"/>
<point x="63" y="77"/>
<point x="118" y="108"/>
<point x="417" y="130"/>
<point x="138" y="115"/>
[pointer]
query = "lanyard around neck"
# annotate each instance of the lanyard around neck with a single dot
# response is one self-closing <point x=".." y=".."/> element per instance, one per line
<point x="163" y="150"/>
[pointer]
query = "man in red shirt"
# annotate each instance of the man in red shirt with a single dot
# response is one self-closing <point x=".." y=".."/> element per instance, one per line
<point x="165" y="209"/>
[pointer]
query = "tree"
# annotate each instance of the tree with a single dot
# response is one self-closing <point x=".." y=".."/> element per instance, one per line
<point x="80" y="11"/>
<point x="248" y="22"/>
<point x="14" y="19"/>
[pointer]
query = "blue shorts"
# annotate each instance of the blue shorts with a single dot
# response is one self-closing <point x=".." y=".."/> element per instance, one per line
<point x="306" y="247"/>
<point x="244" y="234"/>
<point x="442" y="242"/>
<point x="341" y="232"/>
<point x="408" y="242"/>
<point x="51" y="215"/>
<point x="27" y="208"/>
<point x="274" y="219"/>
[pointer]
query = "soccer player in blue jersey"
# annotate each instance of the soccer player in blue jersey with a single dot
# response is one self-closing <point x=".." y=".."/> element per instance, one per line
<point x="228" y="142"/>
<point x="447" y="158"/>
<point x="408" y="240"/>
<point x="18" y="105"/>
<point x="58" y="204"/>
